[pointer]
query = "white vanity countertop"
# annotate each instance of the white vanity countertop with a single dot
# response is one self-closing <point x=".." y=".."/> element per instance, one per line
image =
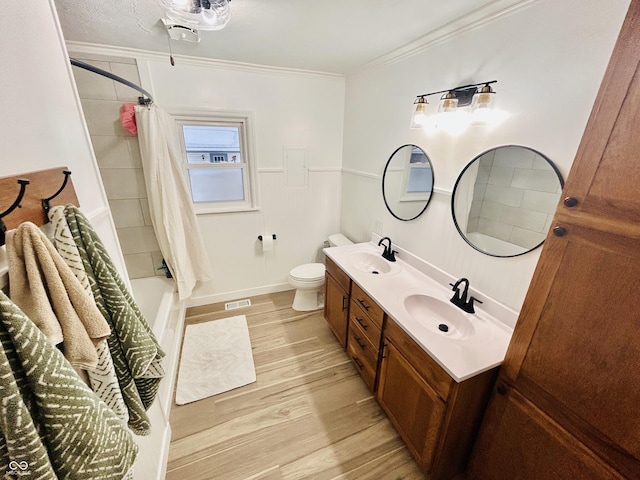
<point x="482" y="349"/>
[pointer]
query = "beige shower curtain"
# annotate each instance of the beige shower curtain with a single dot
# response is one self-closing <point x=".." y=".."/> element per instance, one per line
<point x="172" y="213"/>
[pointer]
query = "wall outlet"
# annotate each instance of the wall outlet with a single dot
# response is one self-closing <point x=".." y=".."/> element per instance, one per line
<point x="378" y="227"/>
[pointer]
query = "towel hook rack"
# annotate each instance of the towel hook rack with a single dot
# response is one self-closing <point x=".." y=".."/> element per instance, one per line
<point x="23" y="182"/>
<point x="45" y="201"/>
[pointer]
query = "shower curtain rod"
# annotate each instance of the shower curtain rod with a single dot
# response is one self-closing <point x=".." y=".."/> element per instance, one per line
<point x="104" y="73"/>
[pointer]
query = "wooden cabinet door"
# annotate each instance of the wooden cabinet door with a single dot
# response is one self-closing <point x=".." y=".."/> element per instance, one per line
<point x="522" y="443"/>
<point x="336" y="309"/>
<point x="412" y="406"/>
<point x="582" y="361"/>
<point x="605" y="177"/>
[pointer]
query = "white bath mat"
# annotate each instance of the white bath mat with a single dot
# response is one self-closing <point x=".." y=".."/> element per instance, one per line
<point x="216" y="357"/>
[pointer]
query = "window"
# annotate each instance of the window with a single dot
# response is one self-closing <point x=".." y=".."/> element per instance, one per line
<point x="217" y="162"/>
<point x="418" y="180"/>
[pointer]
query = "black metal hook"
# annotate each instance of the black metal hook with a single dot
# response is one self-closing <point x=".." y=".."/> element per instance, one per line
<point x="45" y="201"/>
<point x="16" y="204"/>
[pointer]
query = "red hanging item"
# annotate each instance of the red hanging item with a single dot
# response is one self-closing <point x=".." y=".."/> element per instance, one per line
<point x="128" y="118"/>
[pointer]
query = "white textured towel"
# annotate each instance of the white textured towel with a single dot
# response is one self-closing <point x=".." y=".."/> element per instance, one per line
<point x="102" y="378"/>
<point x="216" y="357"/>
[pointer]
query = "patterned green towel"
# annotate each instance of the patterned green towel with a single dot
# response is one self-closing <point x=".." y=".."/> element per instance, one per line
<point x="52" y="426"/>
<point x="135" y="351"/>
<point x="102" y="378"/>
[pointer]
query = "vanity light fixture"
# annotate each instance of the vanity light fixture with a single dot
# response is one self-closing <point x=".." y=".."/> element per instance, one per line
<point x="452" y="106"/>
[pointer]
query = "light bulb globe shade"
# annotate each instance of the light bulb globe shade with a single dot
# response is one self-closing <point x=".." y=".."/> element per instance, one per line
<point x="482" y="106"/>
<point x="199" y="14"/>
<point x="448" y="103"/>
<point x="419" y="117"/>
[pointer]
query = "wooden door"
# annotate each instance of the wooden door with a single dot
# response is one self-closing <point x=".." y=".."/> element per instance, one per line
<point x="413" y="407"/>
<point x="336" y="309"/>
<point x="522" y="443"/>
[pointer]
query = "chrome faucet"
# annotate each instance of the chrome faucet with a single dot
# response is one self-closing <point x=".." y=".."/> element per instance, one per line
<point x="388" y="253"/>
<point x="462" y="299"/>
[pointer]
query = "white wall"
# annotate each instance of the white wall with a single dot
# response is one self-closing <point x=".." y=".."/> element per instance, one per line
<point x="548" y="58"/>
<point x="290" y="109"/>
<point x="43" y="125"/>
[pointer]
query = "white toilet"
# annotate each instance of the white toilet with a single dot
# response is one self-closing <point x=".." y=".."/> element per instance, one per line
<point x="308" y="280"/>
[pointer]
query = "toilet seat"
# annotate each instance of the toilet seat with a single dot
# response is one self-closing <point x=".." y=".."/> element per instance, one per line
<point x="309" y="272"/>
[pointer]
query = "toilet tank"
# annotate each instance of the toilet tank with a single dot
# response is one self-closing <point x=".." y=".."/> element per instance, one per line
<point x="338" y="240"/>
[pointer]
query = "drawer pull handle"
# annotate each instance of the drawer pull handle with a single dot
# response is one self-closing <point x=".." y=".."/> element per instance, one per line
<point x="359" y="342"/>
<point x="344" y="302"/>
<point x="361" y="322"/>
<point x="364" y="305"/>
<point x="358" y="363"/>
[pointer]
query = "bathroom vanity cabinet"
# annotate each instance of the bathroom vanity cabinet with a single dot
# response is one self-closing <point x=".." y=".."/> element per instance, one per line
<point x="436" y="416"/>
<point x="566" y="404"/>
<point x="337" y="289"/>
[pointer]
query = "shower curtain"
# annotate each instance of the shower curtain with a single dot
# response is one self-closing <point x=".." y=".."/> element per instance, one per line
<point x="172" y="213"/>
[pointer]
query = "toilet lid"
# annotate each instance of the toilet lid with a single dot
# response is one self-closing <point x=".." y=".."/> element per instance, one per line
<point x="308" y="271"/>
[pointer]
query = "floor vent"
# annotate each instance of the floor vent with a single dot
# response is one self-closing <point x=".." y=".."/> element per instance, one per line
<point x="237" y="304"/>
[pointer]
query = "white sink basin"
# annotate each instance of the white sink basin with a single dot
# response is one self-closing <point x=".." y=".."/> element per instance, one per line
<point x="372" y="263"/>
<point x="439" y="316"/>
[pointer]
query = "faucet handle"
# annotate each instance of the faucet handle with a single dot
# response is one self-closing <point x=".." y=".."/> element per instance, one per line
<point x="469" y="305"/>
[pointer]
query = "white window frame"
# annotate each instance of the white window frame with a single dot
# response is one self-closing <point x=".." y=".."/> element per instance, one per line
<point x="419" y="196"/>
<point x="223" y="118"/>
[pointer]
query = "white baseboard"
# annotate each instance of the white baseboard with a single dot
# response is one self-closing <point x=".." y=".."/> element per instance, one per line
<point x="237" y="294"/>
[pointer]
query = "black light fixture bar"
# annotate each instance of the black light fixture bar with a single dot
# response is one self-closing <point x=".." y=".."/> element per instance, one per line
<point x="456" y="89"/>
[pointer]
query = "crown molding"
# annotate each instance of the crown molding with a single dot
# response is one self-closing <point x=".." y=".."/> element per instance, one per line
<point x="473" y="20"/>
<point x="80" y="48"/>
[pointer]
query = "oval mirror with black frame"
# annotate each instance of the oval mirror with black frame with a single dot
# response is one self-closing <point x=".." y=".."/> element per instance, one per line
<point x="407" y="182"/>
<point x="504" y="200"/>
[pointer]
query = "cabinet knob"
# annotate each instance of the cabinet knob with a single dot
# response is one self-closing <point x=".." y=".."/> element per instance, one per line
<point x="502" y="390"/>
<point x="570" y="202"/>
<point x="559" y="231"/>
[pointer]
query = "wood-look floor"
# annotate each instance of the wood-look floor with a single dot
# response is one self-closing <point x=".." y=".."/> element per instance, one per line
<point x="308" y="415"/>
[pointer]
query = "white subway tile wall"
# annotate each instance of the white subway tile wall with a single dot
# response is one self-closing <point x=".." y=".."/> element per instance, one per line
<point x="118" y="155"/>
<point x="524" y="189"/>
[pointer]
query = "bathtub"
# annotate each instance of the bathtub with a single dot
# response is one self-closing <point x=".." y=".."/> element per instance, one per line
<point x="154" y="296"/>
<point x="159" y="304"/>
<point x="487" y="243"/>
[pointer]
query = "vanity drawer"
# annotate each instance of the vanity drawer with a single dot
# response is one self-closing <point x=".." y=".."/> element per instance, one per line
<point x="364" y="355"/>
<point x="426" y="366"/>
<point x="359" y="318"/>
<point x="338" y="275"/>
<point x="371" y="308"/>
